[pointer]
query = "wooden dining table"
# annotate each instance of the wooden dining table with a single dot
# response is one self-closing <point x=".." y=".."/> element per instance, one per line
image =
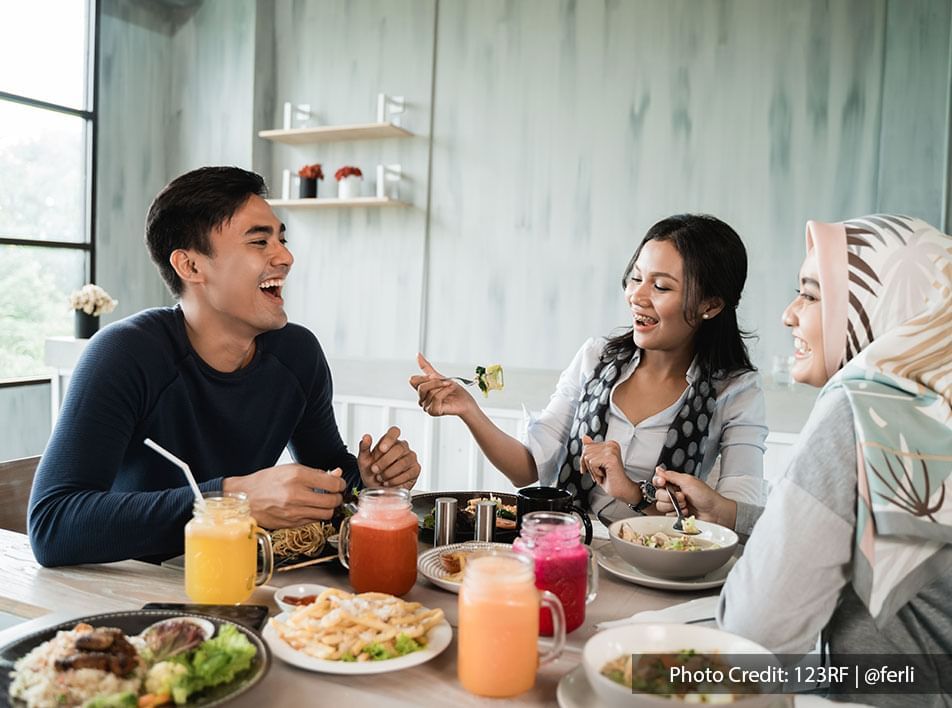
<point x="35" y="597"/>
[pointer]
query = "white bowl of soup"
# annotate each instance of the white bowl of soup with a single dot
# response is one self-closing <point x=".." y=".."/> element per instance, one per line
<point x="650" y="544"/>
<point x="689" y="650"/>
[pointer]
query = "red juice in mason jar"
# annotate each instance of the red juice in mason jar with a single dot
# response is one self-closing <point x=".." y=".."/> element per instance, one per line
<point x="379" y="542"/>
<point x="562" y="564"/>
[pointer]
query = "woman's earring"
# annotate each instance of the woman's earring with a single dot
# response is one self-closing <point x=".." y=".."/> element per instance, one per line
<point x="705" y="316"/>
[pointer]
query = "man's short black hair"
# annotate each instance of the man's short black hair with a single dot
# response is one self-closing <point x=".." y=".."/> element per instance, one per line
<point x="186" y="211"/>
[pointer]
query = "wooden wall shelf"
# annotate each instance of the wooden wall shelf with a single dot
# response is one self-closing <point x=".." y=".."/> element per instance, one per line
<point x="325" y="203"/>
<point x="329" y="133"/>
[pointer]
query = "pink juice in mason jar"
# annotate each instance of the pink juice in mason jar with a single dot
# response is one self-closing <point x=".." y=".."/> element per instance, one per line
<point x="562" y="564"/>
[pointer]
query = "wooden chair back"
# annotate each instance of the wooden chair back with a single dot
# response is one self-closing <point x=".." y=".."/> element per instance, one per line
<point x="16" y="480"/>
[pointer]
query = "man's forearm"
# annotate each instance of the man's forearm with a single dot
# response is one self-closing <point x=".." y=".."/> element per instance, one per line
<point x="103" y="527"/>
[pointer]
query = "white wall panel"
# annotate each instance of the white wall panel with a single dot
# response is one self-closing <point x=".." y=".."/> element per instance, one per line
<point x="211" y="111"/>
<point x="134" y="95"/>
<point x="358" y="278"/>
<point x="563" y="130"/>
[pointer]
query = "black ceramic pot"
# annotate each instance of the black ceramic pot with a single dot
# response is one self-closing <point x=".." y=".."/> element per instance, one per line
<point x="85" y="325"/>
<point x="308" y="188"/>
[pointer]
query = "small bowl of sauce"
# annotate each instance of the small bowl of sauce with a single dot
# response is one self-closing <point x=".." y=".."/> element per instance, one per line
<point x="294" y="597"/>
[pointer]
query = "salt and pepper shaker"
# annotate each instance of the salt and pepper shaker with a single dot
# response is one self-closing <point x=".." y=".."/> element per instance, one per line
<point x="444" y="521"/>
<point x="485" y="520"/>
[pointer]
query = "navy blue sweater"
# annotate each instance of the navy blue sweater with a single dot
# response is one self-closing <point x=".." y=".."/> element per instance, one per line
<point x="101" y="495"/>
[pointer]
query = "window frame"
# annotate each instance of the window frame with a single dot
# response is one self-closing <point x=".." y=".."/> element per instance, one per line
<point x="88" y="114"/>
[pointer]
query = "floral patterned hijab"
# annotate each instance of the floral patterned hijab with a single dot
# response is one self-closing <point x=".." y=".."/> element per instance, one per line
<point x="886" y="306"/>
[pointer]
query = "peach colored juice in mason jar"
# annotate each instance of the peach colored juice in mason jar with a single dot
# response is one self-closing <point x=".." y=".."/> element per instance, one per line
<point x="221" y="551"/>
<point x="379" y="542"/>
<point x="499" y="626"/>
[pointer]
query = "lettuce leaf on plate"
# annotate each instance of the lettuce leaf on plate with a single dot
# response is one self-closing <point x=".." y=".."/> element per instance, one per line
<point x="216" y="661"/>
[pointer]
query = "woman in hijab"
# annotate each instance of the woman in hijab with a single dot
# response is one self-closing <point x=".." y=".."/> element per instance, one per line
<point x="855" y="539"/>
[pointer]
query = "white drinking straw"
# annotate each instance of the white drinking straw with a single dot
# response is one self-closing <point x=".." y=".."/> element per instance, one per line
<point x="179" y="463"/>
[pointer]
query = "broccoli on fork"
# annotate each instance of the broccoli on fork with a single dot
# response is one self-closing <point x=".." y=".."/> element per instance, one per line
<point x="489" y="378"/>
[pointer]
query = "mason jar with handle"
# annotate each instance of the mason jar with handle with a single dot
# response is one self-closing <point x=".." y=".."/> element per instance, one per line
<point x="221" y="542"/>
<point x="563" y="565"/>
<point x="378" y="544"/>
<point x="499" y="625"/>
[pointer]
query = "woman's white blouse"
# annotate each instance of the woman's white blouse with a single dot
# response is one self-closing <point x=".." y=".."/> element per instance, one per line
<point x="737" y="432"/>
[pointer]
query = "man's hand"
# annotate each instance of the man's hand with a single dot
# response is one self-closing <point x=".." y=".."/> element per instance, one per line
<point x="289" y="495"/>
<point x="602" y="460"/>
<point x="389" y="463"/>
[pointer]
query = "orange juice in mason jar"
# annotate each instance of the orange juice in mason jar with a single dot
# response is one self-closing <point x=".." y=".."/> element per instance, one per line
<point x="221" y="550"/>
<point x="499" y="625"/>
<point x="378" y="544"/>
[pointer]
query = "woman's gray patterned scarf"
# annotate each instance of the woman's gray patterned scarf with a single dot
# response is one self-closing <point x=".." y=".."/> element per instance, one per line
<point x="684" y="445"/>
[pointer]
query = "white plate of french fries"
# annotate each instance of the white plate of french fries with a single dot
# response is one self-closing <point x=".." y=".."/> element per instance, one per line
<point x="341" y="633"/>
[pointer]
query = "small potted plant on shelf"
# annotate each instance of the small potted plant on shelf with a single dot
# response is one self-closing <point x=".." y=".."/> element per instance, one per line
<point x="348" y="182"/>
<point x="89" y="302"/>
<point x="309" y="175"/>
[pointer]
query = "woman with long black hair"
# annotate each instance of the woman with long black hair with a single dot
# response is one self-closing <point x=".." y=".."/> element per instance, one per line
<point x="676" y="389"/>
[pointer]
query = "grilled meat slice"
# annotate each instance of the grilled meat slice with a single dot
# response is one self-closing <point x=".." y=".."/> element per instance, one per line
<point x="104" y="649"/>
<point x="99" y="639"/>
<point x="85" y="660"/>
<point x="122" y="664"/>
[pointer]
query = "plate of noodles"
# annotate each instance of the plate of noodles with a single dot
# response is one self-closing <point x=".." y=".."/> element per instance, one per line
<point x="370" y="633"/>
<point x="298" y="543"/>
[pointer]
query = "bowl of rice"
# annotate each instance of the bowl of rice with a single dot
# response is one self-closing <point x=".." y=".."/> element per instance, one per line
<point x="650" y="544"/>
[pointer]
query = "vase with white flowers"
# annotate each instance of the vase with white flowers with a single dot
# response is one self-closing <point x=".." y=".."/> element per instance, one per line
<point x="89" y="302"/>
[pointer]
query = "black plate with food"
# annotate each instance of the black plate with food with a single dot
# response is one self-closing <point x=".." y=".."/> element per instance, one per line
<point x="253" y="616"/>
<point x="302" y="543"/>
<point x="124" y="662"/>
<point x="425" y="502"/>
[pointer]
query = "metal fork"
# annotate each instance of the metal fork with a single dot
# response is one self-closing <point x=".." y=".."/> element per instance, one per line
<point x="349" y="503"/>
<point x="465" y="382"/>
<point x="678" y="525"/>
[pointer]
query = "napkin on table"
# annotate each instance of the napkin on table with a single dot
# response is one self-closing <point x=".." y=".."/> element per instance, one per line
<point x="690" y="612"/>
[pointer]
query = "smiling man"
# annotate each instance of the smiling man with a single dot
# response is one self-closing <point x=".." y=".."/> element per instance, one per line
<point x="221" y="380"/>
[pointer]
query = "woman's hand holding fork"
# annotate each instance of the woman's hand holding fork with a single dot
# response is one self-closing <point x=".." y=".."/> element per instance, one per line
<point x="439" y="395"/>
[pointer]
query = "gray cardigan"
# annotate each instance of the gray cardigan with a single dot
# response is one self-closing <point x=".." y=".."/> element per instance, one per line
<point x="793" y="579"/>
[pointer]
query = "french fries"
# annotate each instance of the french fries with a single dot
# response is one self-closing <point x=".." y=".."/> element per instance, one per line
<point x="340" y="626"/>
